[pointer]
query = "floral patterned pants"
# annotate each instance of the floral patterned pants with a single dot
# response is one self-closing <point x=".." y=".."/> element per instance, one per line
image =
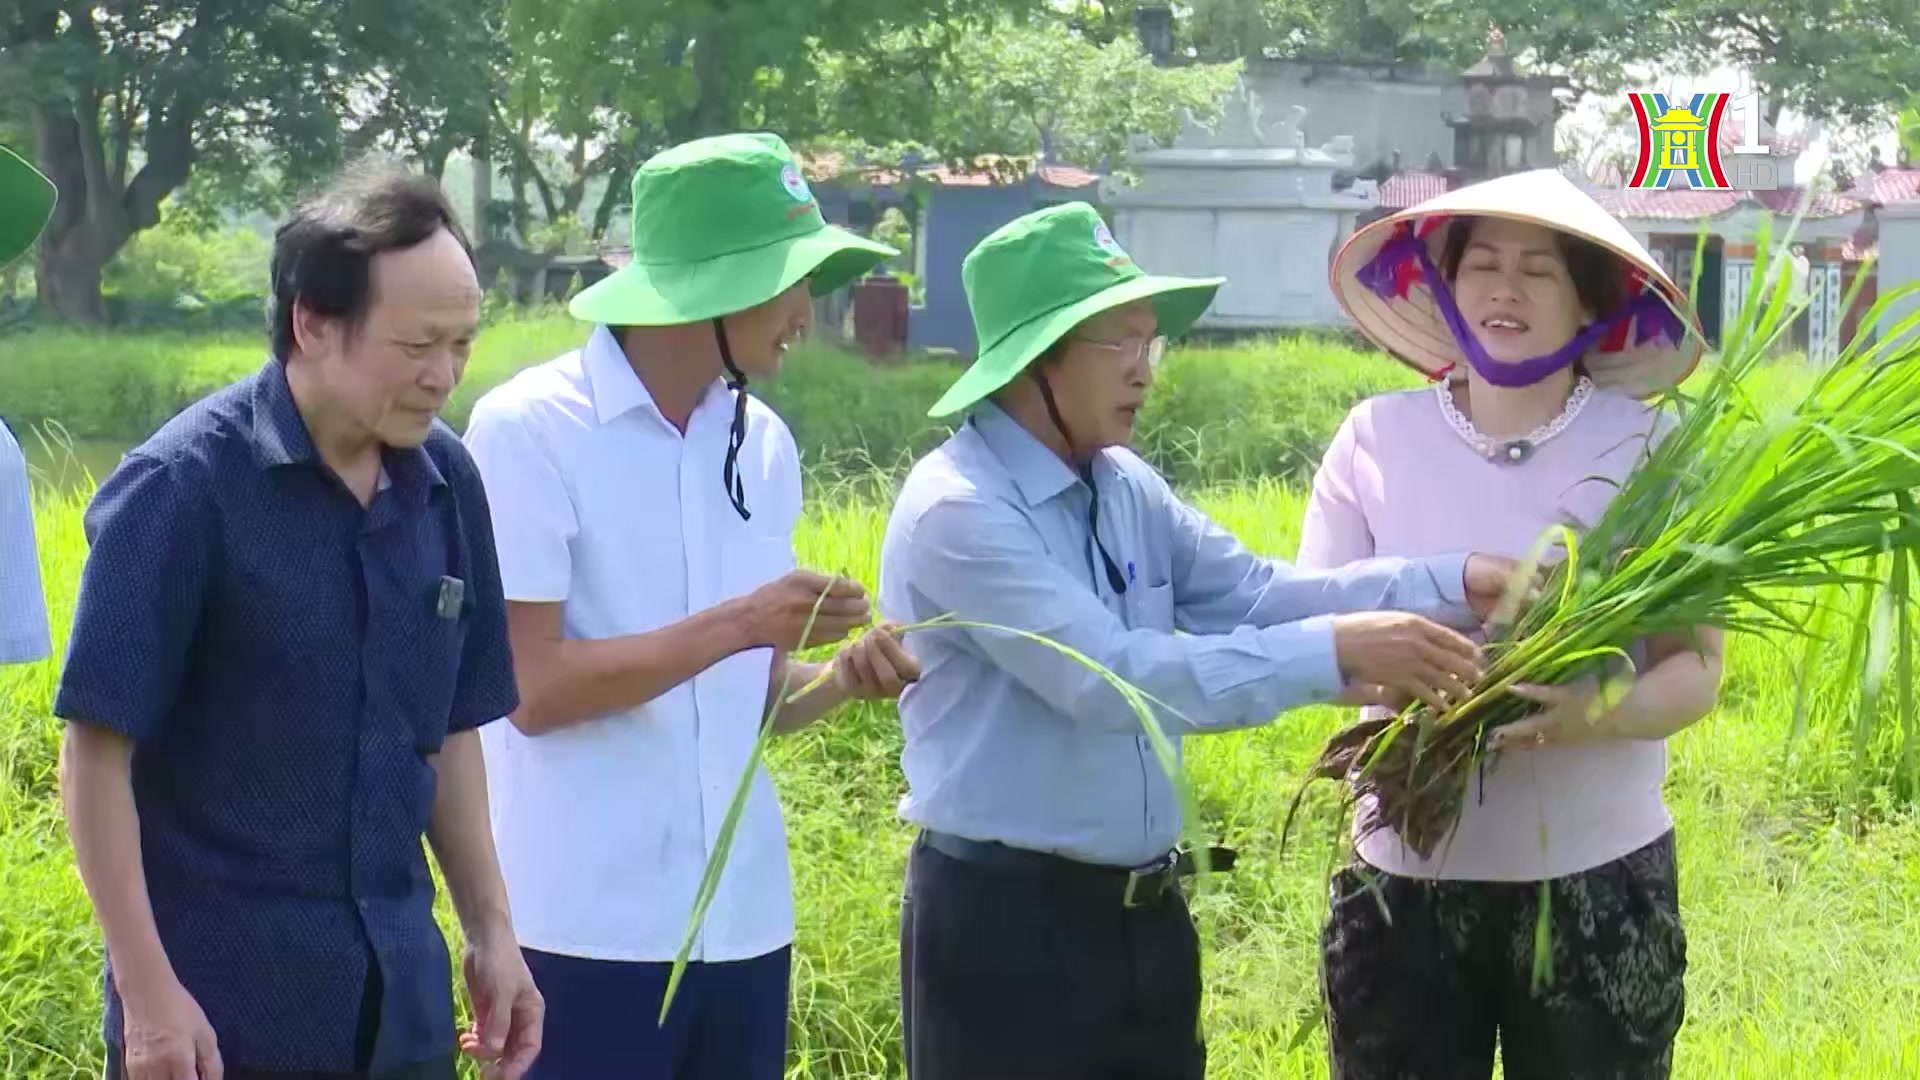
<point x="1427" y="996"/>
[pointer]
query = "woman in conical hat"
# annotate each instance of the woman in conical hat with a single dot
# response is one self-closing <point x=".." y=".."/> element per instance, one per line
<point x="1545" y="328"/>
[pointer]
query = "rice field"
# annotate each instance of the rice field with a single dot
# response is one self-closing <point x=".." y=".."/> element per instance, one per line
<point x="1801" y="912"/>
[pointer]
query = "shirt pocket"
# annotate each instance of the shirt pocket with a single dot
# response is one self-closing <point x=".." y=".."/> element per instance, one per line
<point x="428" y="671"/>
<point x="1149" y="607"/>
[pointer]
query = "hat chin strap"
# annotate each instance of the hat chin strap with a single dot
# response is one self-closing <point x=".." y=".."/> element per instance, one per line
<point x="1501" y="373"/>
<point x="1404" y="258"/>
<point x="1532" y="370"/>
<point x="737" y="435"/>
<point x="1114" y="579"/>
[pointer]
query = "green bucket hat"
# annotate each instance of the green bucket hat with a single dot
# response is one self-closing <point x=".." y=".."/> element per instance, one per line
<point x="26" y="204"/>
<point x="720" y="225"/>
<point x="1040" y="275"/>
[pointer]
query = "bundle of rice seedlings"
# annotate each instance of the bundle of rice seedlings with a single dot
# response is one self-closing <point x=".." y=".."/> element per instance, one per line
<point x="1744" y="517"/>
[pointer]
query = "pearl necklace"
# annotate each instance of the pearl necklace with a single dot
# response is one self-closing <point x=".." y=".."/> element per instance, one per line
<point x="1512" y="451"/>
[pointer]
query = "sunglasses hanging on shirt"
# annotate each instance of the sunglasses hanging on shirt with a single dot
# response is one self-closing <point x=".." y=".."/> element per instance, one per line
<point x="737" y="435"/>
<point x="1114" y="577"/>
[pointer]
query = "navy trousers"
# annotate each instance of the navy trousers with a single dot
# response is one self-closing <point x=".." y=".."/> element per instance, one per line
<point x="439" y="1068"/>
<point x="728" y="1022"/>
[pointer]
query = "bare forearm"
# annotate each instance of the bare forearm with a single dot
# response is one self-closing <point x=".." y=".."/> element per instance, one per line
<point x="96" y="790"/>
<point x="462" y="839"/>
<point x="1677" y="691"/>
<point x="809" y="706"/>
<point x="566" y="682"/>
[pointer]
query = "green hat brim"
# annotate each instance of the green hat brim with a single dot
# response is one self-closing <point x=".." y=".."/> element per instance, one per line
<point x="26" y="205"/>
<point x="1177" y="303"/>
<point x="669" y="294"/>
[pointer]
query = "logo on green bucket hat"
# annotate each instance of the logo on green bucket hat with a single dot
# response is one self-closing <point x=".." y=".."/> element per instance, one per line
<point x="795" y="184"/>
<point x="720" y="225"/>
<point x="1037" y="277"/>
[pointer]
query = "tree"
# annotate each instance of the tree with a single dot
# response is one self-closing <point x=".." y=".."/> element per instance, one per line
<point x="1844" y="60"/>
<point x="1849" y="60"/>
<point x="688" y="68"/>
<point x="1841" y="60"/>
<point x="1022" y="89"/>
<point x="128" y="101"/>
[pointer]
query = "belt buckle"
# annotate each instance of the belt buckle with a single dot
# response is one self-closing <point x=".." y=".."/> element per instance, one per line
<point x="1156" y="873"/>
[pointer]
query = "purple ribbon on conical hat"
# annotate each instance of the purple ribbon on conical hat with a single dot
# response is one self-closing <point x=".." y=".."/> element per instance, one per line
<point x="1396" y="266"/>
<point x="1404" y="259"/>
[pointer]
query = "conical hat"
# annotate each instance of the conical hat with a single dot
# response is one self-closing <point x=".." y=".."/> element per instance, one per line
<point x="1408" y="323"/>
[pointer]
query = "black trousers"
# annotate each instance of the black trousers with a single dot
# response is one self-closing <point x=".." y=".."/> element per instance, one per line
<point x="1018" y="973"/>
<point x="1427" y="997"/>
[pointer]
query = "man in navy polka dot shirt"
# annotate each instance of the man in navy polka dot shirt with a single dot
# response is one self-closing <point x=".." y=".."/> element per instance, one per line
<point x="290" y="625"/>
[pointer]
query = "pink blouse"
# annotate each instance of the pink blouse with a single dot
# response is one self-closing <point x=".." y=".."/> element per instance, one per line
<point x="1397" y="480"/>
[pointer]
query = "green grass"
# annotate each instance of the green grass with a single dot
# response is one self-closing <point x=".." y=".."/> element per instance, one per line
<point x="1259" y="409"/>
<point x="117" y="386"/>
<point x="1804" y="960"/>
<point x="1804" y="964"/>
<point x="1216" y="414"/>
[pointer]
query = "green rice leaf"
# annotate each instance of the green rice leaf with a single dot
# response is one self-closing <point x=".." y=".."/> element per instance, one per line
<point x="723" y="842"/>
<point x="1901" y="587"/>
<point x="1142" y="704"/>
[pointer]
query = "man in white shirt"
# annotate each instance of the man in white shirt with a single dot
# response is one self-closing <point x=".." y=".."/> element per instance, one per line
<point x="644" y="512"/>
<point x="26" y="204"/>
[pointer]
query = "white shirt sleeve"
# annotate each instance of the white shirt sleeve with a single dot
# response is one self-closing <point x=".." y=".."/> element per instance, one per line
<point x="23" y="606"/>
<point x="534" y="522"/>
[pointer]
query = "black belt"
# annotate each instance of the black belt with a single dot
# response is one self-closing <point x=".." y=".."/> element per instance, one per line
<point x="1138" y="886"/>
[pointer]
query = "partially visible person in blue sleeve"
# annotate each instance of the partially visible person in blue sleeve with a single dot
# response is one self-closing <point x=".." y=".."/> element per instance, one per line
<point x="26" y="202"/>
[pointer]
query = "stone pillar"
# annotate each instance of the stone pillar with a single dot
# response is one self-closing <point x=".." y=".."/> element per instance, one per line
<point x="1899" y="263"/>
<point x="1509" y="126"/>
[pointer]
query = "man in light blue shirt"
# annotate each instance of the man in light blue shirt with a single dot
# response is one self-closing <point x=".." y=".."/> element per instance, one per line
<point x="1044" y="933"/>
<point x="26" y="202"/>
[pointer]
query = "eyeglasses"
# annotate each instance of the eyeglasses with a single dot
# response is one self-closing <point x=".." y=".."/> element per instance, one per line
<point x="1136" y="349"/>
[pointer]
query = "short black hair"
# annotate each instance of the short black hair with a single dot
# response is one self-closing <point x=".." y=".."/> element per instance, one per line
<point x="321" y="255"/>
<point x="1596" y="272"/>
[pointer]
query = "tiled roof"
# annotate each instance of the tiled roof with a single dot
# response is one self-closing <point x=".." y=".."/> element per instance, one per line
<point x="1889" y="185"/>
<point x="1670" y="204"/>
<point x="1402" y="190"/>
<point x="1687" y="204"/>
<point x="821" y="168"/>
<point x="1824" y="204"/>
